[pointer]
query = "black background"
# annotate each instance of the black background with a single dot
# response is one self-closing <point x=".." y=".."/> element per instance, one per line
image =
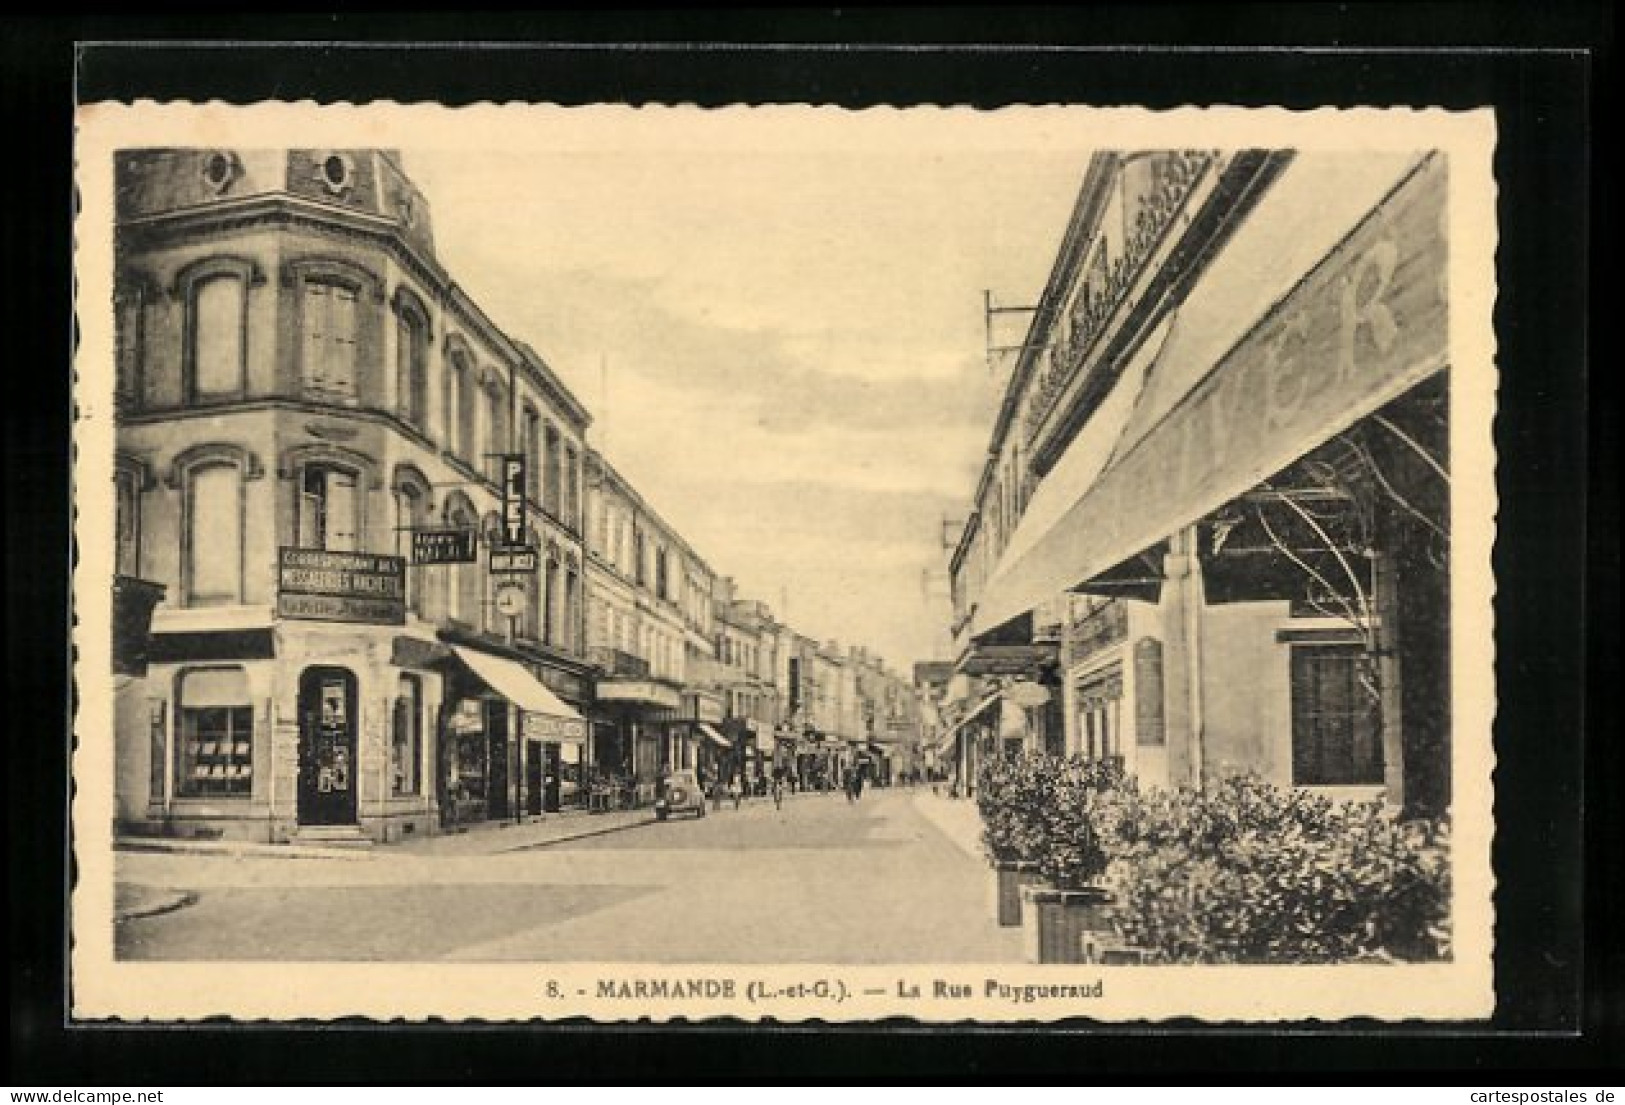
<point x="1541" y="66"/>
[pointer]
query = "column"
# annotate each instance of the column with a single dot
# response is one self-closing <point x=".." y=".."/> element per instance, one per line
<point x="1182" y="658"/>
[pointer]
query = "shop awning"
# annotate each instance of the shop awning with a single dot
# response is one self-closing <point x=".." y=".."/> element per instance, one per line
<point x="981" y="708"/>
<point x="1227" y="401"/>
<point x="713" y="736"/>
<point x="557" y="721"/>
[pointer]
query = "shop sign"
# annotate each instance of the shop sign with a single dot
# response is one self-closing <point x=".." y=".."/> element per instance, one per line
<point x="341" y="586"/>
<point x="1368" y="323"/>
<point x="546" y="727"/>
<point x="443" y="546"/>
<point x="1027" y="694"/>
<point x="513" y="561"/>
<point x="513" y="500"/>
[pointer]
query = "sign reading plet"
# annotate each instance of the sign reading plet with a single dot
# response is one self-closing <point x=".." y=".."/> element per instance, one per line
<point x="513" y="499"/>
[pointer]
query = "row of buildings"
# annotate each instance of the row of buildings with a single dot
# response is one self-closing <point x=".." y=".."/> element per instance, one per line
<point x="1212" y="533"/>
<point x="372" y="578"/>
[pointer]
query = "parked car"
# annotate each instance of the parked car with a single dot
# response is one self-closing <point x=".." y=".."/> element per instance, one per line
<point x="682" y="795"/>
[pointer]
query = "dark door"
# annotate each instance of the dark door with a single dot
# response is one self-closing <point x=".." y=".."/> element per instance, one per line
<point x="533" y="777"/>
<point x="554" y="764"/>
<point x="496" y="781"/>
<point x="327" y="727"/>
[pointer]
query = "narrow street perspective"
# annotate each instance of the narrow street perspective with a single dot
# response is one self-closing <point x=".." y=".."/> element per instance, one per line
<point x="1015" y="539"/>
<point x="821" y="879"/>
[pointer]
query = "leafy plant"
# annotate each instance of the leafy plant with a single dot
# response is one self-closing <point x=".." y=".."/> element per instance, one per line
<point x="1010" y="796"/>
<point x="1051" y="811"/>
<point x="1253" y="873"/>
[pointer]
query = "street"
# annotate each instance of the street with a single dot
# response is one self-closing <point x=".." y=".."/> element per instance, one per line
<point x="822" y="880"/>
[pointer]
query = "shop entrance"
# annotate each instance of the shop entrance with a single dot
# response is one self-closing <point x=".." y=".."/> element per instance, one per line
<point x="327" y="746"/>
<point x="553" y="768"/>
<point x="533" y="777"/>
<point x="496" y="731"/>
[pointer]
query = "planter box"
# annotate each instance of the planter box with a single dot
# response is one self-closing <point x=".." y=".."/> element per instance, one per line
<point x="1064" y="926"/>
<point x="1009" y="878"/>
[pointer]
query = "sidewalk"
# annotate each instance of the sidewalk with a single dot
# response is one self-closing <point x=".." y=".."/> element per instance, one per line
<point x="957" y="818"/>
<point x="480" y="838"/>
<point x="490" y="837"/>
<point x="184" y="846"/>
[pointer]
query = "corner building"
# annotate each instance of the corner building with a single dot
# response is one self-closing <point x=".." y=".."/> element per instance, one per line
<point x="301" y="388"/>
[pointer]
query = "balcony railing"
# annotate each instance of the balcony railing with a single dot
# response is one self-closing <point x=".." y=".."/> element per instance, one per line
<point x="612" y="661"/>
<point x="1092" y="631"/>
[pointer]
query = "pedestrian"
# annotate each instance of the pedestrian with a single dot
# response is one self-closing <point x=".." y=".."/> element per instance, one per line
<point x="734" y="791"/>
<point x="778" y="792"/>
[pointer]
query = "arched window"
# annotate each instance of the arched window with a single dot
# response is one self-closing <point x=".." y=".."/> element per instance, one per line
<point x="411" y="513"/>
<point x="495" y="420"/>
<point x="457" y="405"/>
<point x="464" y="592"/>
<point x="551" y="476"/>
<point x="411" y="360"/>
<point x="218" y="313"/>
<point x="127" y="517"/>
<point x="214" y="754"/>
<point x="572" y="489"/>
<point x="329" y="515"/>
<point x="532" y="444"/>
<point x="212" y="562"/>
<point x="131" y="299"/>
<point x="330" y="322"/>
<point x="572" y="609"/>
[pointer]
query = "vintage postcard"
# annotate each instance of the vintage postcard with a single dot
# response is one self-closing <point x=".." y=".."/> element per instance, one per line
<point x="783" y="563"/>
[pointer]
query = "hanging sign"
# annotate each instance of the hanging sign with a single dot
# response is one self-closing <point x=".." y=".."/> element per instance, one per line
<point x="513" y="499"/>
<point x="443" y="546"/>
<point x="513" y="560"/>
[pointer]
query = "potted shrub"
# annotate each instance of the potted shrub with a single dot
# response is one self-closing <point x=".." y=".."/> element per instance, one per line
<point x="1253" y="873"/>
<point x="1068" y="911"/>
<point x="1010" y="794"/>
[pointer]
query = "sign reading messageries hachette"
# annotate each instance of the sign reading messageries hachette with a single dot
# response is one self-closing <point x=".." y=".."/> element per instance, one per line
<point x="341" y="586"/>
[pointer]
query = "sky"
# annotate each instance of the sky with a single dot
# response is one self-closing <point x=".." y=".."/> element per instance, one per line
<point x="781" y="341"/>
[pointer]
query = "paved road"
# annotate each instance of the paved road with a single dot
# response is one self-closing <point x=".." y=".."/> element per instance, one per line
<point x="821" y="880"/>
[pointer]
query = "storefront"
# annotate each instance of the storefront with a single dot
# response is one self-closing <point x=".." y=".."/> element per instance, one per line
<point x="505" y="737"/>
<point x="634" y="740"/>
<point x="1274" y="494"/>
<point x="310" y="719"/>
<point x="714" y="755"/>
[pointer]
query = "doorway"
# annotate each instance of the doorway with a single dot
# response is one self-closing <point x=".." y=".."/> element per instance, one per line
<point x="553" y="765"/>
<point x="327" y="747"/>
<point x="533" y="777"/>
<point x="496" y="780"/>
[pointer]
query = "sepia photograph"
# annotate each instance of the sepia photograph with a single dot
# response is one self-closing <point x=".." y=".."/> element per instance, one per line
<point x="783" y="562"/>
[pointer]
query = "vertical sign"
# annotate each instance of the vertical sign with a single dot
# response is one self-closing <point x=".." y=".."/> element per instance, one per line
<point x="513" y="499"/>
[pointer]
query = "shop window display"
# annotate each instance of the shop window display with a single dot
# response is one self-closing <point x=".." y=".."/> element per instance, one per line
<point x="214" y="754"/>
